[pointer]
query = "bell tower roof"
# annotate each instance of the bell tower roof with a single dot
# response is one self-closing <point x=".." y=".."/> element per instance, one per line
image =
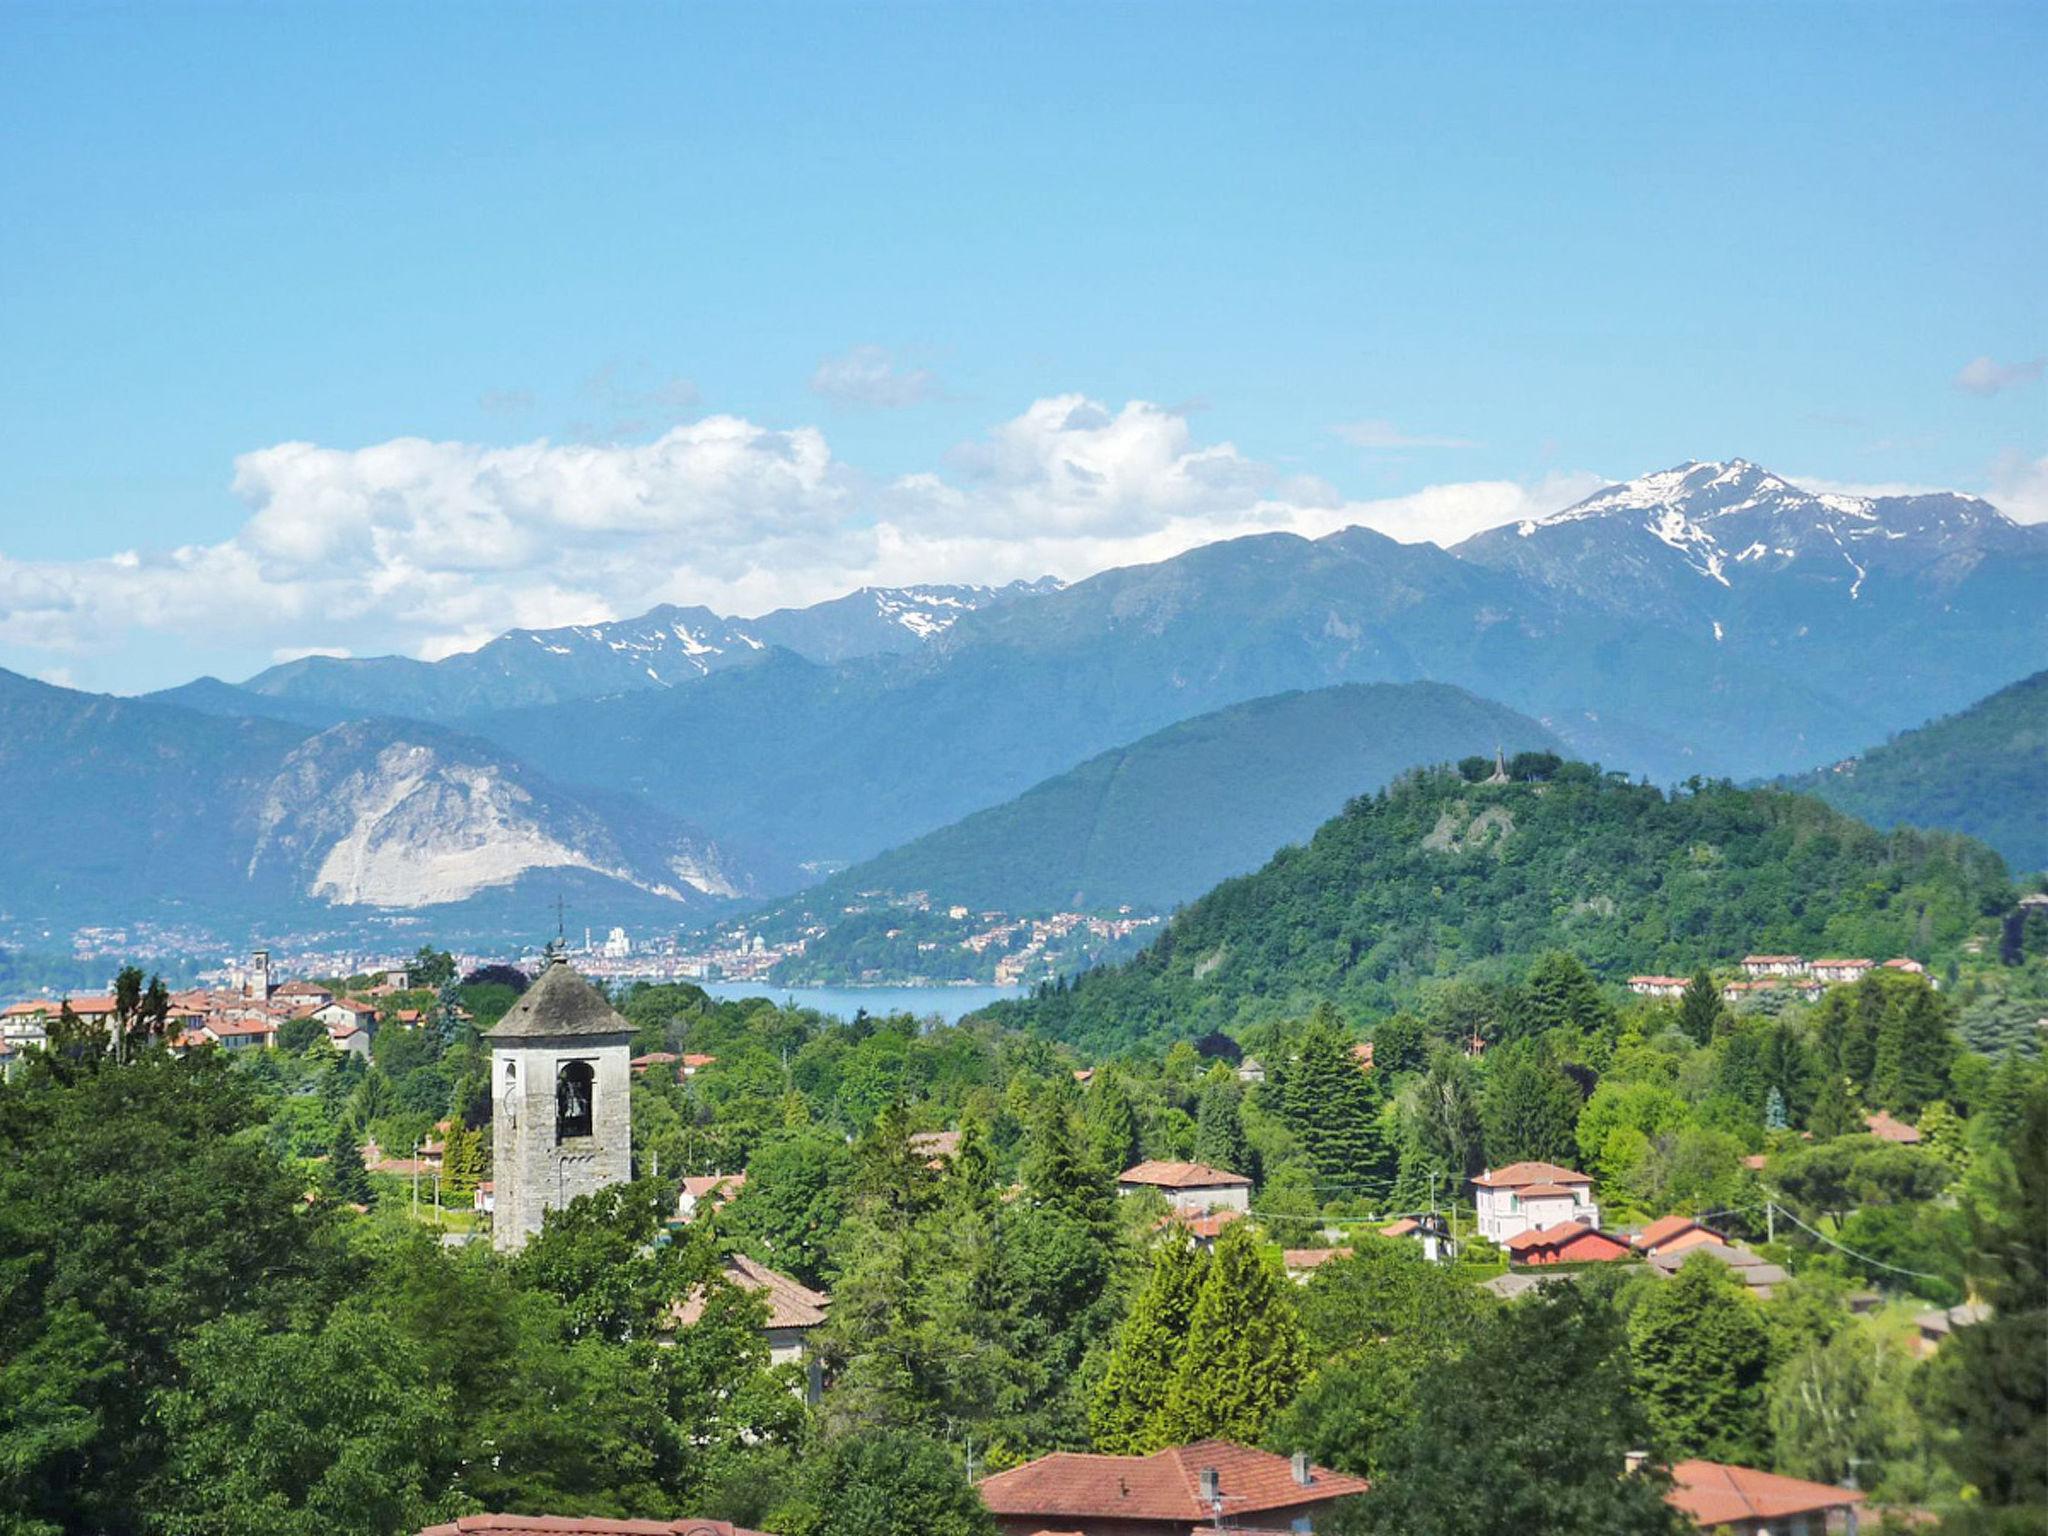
<point x="559" y="1002"/>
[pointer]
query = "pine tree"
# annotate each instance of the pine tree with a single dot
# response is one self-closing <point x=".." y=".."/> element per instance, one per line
<point x="347" y="1180"/>
<point x="1058" y="1172"/>
<point x="1699" y="1009"/>
<point x="1333" y="1108"/>
<point x="1774" y="1110"/>
<point x="1112" y="1121"/>
<point x="1220" y="1140"/>
<point x="1444" y="1116"/>
<point x="1125" y="1416"/>
<point x="1559" y="994"/>
<point x="1943" y="1133"/>
<point x="1914" y="1049"/>
<point x="1244" y="1356"/>
<point x="462" y="1160"/>
<point x="1531" y="1108"/>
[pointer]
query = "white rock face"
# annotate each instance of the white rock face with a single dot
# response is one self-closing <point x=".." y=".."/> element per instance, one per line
<point x="402" y="824"/>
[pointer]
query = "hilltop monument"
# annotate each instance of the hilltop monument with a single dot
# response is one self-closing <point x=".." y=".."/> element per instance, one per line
<point x="561" y="1096"/>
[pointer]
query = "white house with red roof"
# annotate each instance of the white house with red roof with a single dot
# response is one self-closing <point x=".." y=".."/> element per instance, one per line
<point x="1189" y="1186"/>
<point x="707" y="1192"/>
<point x="1210" y="1485"/>
<point x="794" y="1309"/>
<point x="1657" y="986"/>
<point x="1528" y="1197"/>
<point x="1756" y="966"/>
<point x="1838" y="971"/>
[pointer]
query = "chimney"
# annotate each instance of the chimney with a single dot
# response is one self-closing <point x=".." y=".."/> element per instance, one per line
<point x="1632" y="1461"/>
<point x="1301" y="1477"/>
<point x="1212" y="1494"/>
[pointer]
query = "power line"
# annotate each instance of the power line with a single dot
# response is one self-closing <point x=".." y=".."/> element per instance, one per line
<point x="1862" y="1258"/>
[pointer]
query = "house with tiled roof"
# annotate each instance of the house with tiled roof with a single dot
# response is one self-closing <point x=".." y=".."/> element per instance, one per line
<point x="1756" y="966"/>
<point x="1300" y="1263"/>
<point x="1189" y="1186"/>
<point x="1934" y="1328"/>
<point x="1657" y="986"/>
<point x="1570" y="1242"/>
<point x="1673" y="1234"/>
<point x="1745" y="1502"/>
<point x="707" y="1192"/>
<point x="1838" y="971"/>
<point x="1203" y="1226"/>
<point x="694" y="1062"/>
<point x="794" y="1309"/>
<point x="1175" y="1492"/>
<point x="1525" y="1197"/>
<point x="1885" y="1128"/>
<point x="240" y="1034"/>
<point x="580" y="1525"/>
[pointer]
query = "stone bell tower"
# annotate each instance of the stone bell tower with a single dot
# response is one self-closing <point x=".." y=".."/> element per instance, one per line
<point x="561" y="1101"/>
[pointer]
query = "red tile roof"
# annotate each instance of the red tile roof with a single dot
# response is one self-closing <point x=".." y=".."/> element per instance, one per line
<point x="1885" y="1128"/>
<point x="1547" y="1192"/>
<point x="1180" y="1175"/>
<point x="1163" y="1486"/>
<point x="1716" y="1494"/>
<point x="1208" y="1226"/>
<point x="1546" y="1237"/>
<point x="1401" y="1228"/>
<point x="581" y="1525"/>
<point x="1520" y="1175"/>
<point x="791" y="1304"/>
<point x="1665" y="1228"/>
<point x="1311" y="1258"/>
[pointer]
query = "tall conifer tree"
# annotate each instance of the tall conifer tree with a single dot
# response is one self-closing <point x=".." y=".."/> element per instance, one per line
<point x="1125" y="1417"/>
<point x="1334" y="1108"/>
<point x="1244" y="1357"/>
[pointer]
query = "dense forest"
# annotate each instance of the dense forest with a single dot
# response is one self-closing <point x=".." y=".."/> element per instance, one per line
<point x="1441" y="875"/>
<point x="1982" y="770"/>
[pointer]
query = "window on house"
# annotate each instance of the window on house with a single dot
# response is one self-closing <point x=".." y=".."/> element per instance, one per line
<point x="575" y="1094"/>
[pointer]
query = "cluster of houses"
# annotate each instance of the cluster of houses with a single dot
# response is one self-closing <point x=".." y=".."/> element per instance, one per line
<point x="241" y="1018"/>
<point x="1789" y="974"/>
<point x="1213" y="1487"/>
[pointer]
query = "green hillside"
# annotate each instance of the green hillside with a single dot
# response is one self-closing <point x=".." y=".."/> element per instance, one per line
<point x="1438" y="875"/>
<point x="1162" y="820"/>
<point x="1982" y="770"/>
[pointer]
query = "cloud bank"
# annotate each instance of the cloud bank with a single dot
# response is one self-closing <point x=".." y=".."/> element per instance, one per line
<point x="427" y="548"/>
<point x="1986" y="376"/>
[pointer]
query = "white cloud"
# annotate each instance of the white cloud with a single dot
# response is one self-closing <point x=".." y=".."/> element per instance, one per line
<point x="1377" y="433"/>
<point x="1988" y="376"/>
<point x="429" y="548"/>
<point x="2019" y="488"/>
<point x="869" y="376"/>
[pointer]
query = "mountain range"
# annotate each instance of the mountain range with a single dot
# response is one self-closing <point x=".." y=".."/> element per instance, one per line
<point x="1156" y="823"/>
<point x="1707" y="620"/>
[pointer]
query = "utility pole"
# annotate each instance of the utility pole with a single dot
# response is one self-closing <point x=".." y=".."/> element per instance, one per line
<point x="1770" y="1222"/>
<point x="416" y="1181"/>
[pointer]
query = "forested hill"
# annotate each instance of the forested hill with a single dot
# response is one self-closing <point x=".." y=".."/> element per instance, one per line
<point x="1438" y="874"/>
<point x="1160" y="821"/>
<point x="1982" y="770"/>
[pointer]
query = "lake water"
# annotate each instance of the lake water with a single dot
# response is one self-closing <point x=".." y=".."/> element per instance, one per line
<point x="949" y="1003"/>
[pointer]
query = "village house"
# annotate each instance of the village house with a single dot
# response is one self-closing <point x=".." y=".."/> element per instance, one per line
<point x="794" y="1309"/>
<point x="1934" y="1328"/>
<point x="1192" y="1187"/>
<point x="1745" y="1502"/>
<point x="1673" y="1234"/>
<point x="1525" y="1197"/>
<point x="299" y="994"/>
<point x="708" y="1192"/>
<point x="1208" y="1486"/>
<point x="693" y="1063"/>
<point x="1885" y="1128"/>
<point x="1757" y="966"/>
<point x="1657" y="986"/>
<point x="1839" y="971"/>
<point x="1571" y="1242"/>
<point x="1251" y="1070"/>
<point x="240" y="1034"/>
<point x="1300" y="1263"/>
<point x="341" y="1011"/>
<point x="580" y="1525"/>
<point x="349" y="1039"/>
<point x="653" y="1059"/>
<point x="1204" y="1227"/>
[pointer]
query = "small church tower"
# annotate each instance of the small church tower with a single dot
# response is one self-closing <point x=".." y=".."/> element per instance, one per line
<point x="561" y="1100"/>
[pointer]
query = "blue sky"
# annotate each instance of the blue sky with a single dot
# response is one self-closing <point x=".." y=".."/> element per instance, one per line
<point x="576" y="308"/>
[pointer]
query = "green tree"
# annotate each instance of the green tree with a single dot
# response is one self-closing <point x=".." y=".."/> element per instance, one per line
<point x="1915" y="1048"/>
<point x="430" y="968"/>
<point x="1531" y="1108"/>
<point x="462" y="1160"/>
<point x="1559" y="994"/>
<point x="1244" y="1357"/>
<point x="884" y="1483"/>
<point x="1699" y="1009"/>
<point x="1540" y="1401"/>
<point x="1840" y="1409"/>
<point x="1220" y="1140"/>
<point x="1700" y="1351"/>
<point x="1126" y="1412"/>
<point x="789" y="1213"/>
<point x="1112" y="1121"/>
<point x="1991" y="1379"/>
<point x="1443" y="1113"/>
<point x="1399" y="1044"/>
<point x="347" y="1180"/>
<point x="1333" y="1108"/>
